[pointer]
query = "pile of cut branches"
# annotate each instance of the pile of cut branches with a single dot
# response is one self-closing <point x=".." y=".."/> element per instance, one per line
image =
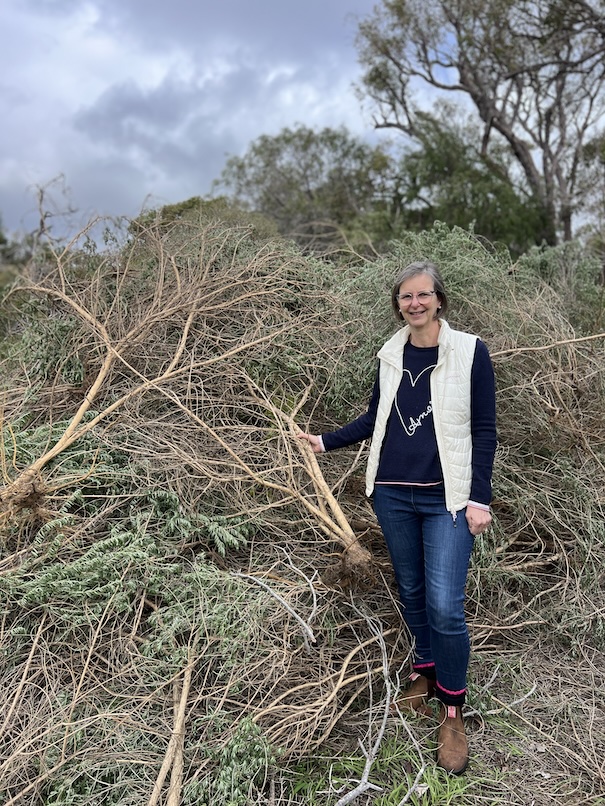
<point x="148" y="443"/>
<point x="191" y="606"/>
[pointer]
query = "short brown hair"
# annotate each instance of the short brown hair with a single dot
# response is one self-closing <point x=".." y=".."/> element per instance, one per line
<point x="413" y="270"/>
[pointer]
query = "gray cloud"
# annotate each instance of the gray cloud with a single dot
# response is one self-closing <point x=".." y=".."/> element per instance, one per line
<point x="125" y="112"/>
<point x="276" y="29"/>
<point x="137" y="100"/>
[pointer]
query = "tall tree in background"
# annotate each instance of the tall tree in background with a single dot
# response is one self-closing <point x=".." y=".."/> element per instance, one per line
<point x="534" y="70"/>
<point x="325" y="187"/>
<point x="316" y="185"/>
<point x="449" y="177"/>
<point x="593" y="180"/>
<point x="14" y="251"/>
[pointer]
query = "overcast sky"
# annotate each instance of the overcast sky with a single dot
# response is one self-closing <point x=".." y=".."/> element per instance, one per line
<point x="138" y="103"/>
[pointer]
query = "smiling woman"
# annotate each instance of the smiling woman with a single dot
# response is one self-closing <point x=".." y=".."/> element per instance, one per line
<point x="418" y="306"/>
<point x="432" y="422"/>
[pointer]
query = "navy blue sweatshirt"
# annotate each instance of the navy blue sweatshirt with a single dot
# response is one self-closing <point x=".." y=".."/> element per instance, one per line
<point x="409" y="450"/>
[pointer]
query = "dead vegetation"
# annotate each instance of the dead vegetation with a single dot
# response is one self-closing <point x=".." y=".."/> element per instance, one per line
<point x="196" y="611"/>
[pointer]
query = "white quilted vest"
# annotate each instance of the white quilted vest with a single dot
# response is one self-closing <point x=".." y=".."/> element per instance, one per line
<point x="451" y="399"/>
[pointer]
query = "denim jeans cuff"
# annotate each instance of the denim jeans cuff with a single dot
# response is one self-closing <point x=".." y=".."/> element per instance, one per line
<point x="450" y="697"/>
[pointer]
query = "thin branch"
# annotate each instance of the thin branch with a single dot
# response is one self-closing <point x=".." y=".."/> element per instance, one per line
<point x="174" y="751"/>
<point x="516" y="350"/>
<point x="306" y="629"/>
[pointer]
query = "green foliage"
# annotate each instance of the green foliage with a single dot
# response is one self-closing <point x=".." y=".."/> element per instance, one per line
<point x="325" y="778"/>
<point x="49" y="348"/>
<point x="94" y="787"/>
<point x="241" y="765"/>
<point x="15" y="251"/>
<point x="106" y="575"/>
<point x="77" y="580"/>
<point x="227" y="533"/>
<point x="94" y="467"/>
<point x="317" y="186"/>
<point x="514" y="62"/>
<point x="576" y="274"/>
<point x="90" y="580"/>
<point x="199" y="211"/>
<point x="449" y="179"/>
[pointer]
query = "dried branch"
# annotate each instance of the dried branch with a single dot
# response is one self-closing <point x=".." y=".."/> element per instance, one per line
<point x="174" y="752"/>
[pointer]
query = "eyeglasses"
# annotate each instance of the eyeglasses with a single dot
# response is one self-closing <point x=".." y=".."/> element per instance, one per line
<point x="421" y="296"/>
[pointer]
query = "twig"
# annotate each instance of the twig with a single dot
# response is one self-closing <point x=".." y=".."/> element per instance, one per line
<point x="307" y="630"/>
<point x="340" y="682"/>
<point x="516" y="350"/>
<point x="588" y="767"/>
<point x="174" y="750"/>
<point x="19" y="690"/>
<point x="499" y="627"/>
<point x="176" y="774"/>
<point x="307" y="580"/>
<point x="414" y="786"/>
<point x="370" y="754"/>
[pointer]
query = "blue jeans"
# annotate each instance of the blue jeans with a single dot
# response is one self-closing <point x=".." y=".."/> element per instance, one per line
<point x="430" y="552"/>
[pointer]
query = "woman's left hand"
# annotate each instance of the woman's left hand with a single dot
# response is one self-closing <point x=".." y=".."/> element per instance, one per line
<point x="478" y="519"/>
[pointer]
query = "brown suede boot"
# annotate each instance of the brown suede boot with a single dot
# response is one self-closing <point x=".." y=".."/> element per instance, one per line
<point x="415" y="696"/>
<point x="452" y="749"/>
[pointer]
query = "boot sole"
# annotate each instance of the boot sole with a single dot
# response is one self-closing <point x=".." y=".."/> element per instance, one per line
<point x="459" y="771"/>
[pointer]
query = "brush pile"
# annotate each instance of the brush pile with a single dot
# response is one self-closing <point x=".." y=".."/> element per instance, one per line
<point x="194" y="607"/>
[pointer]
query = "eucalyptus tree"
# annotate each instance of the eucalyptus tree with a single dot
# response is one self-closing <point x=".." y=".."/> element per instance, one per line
<point x="532" y="70"/>
<point x="446" y="176"/>
<point x="319" y="186"/>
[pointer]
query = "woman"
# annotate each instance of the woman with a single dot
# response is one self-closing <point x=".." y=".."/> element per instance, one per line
<point x="433" y="426"/>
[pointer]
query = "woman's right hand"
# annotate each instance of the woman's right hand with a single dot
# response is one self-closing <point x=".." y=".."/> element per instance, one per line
<point x="313" y="440"/>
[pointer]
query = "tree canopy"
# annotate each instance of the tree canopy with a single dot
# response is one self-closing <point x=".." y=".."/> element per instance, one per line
<point x="447" y="177"/>
<point x="325" y="188"/>
<point x="532" y="71"/>
<point x="314" y="183"/>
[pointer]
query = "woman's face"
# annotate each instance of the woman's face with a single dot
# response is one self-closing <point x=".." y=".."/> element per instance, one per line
<point x="418" y="301"/>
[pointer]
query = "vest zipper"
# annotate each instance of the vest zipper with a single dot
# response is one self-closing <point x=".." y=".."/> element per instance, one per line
<point x="439" y="437"/>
